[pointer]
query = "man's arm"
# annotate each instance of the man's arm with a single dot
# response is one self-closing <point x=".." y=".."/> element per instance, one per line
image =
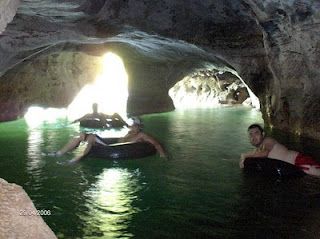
<point x="154" y="142"/>
<point x="261" y="152"/>
<point x="116" y="116"/>
<point x="87" y="116"/>
<point x="252" y="154"/>
<point x="255" y="154"/>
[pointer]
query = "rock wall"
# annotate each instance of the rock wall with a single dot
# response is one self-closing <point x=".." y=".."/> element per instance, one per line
<point x="8" y="9"/>
<point x="19" y="217"/>
<point x="51" y="80"/>
<point x="290" y="32"/>
<point x="272" y="44"/>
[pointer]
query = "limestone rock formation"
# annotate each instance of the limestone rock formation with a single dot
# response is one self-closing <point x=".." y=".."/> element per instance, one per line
<point x="8" y="9"/>
<point x="272" y="45"/>
<point x="206" y="89"/>
<point x="19" y="217"/>
<point x="290" y="32"/>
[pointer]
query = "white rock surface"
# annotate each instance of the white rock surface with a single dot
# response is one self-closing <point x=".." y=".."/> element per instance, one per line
<point x="18" y="215"/>
<point x="8" y="9"/>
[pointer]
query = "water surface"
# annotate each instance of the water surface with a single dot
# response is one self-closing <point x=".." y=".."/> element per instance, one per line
<point x="199" y="192"/>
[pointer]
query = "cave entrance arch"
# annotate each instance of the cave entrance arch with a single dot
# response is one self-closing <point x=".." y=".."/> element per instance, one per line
<point x="109" y="90"/>
<point x="211" y="88"/>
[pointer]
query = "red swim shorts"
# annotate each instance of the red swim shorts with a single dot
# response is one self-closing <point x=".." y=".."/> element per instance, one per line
<point x="302" y="159"/>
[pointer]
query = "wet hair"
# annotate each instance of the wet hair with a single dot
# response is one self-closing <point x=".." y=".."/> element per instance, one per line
<point x="256" y="126"/>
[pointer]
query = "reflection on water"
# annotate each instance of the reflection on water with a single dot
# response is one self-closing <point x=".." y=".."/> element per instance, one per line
<point x="110" y="204"/>
<point x="199" y="193"/>
<point x="35" y="140"/>
<point x="41" y="139"/>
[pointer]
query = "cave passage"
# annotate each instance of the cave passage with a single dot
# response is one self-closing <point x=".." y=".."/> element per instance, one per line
<point x="210" y="88"/>
<point x="109" y="90"/>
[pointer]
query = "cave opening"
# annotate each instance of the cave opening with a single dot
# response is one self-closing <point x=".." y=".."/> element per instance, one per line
<point x="208" y="88"/>
<point x="109" y="90"/>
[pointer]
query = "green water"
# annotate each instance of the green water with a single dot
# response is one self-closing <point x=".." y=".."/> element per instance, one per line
<point x="200" y="192"/>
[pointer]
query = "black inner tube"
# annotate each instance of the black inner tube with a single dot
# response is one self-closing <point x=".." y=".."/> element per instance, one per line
<point x="127" y="150"/>
<point x="98" y="124"/>
<point x="271" y="167"/>
<point x="92" y="123"/>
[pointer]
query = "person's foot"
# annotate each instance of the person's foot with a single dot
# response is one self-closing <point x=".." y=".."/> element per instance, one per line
<point x="54" y="154"/>
<point x="73" y="161"/>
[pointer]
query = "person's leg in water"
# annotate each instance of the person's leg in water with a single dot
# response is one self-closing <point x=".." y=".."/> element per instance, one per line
<point x="71" y="145"/>
<point x="91" y="140"/>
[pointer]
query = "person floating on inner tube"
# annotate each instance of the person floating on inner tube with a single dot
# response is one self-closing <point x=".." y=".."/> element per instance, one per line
<point x="270" y="148"/>
<point x="135" y="134"/>
<point x="103" y="118"/>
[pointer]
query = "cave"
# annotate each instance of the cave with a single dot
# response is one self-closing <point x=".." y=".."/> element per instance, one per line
<point x="176" y="54"/>
<point x="257" y="40"/>
<point x="205" y="89"/>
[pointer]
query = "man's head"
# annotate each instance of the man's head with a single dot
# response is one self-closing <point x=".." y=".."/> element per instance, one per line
<point x="95" y="107"/>
<point x="135" y="124"/>
<point x="256" y="134"/>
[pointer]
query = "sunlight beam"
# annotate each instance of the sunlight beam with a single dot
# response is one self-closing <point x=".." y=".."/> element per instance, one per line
<point x="109" y="91"/>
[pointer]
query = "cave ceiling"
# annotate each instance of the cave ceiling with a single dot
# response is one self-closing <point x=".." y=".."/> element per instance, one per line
<point x="265" y="42"/>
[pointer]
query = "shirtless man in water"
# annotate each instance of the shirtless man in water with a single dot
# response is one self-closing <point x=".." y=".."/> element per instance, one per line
<point x="269" y="147"/>
<point x="104" y="118"/>
<point x="134" y="135"/>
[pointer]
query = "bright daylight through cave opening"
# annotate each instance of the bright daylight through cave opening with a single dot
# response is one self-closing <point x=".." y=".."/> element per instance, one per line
<point x="109" y="91"/>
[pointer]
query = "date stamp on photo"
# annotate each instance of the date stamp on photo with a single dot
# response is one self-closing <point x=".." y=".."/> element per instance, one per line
<point x="34" y="212"/>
